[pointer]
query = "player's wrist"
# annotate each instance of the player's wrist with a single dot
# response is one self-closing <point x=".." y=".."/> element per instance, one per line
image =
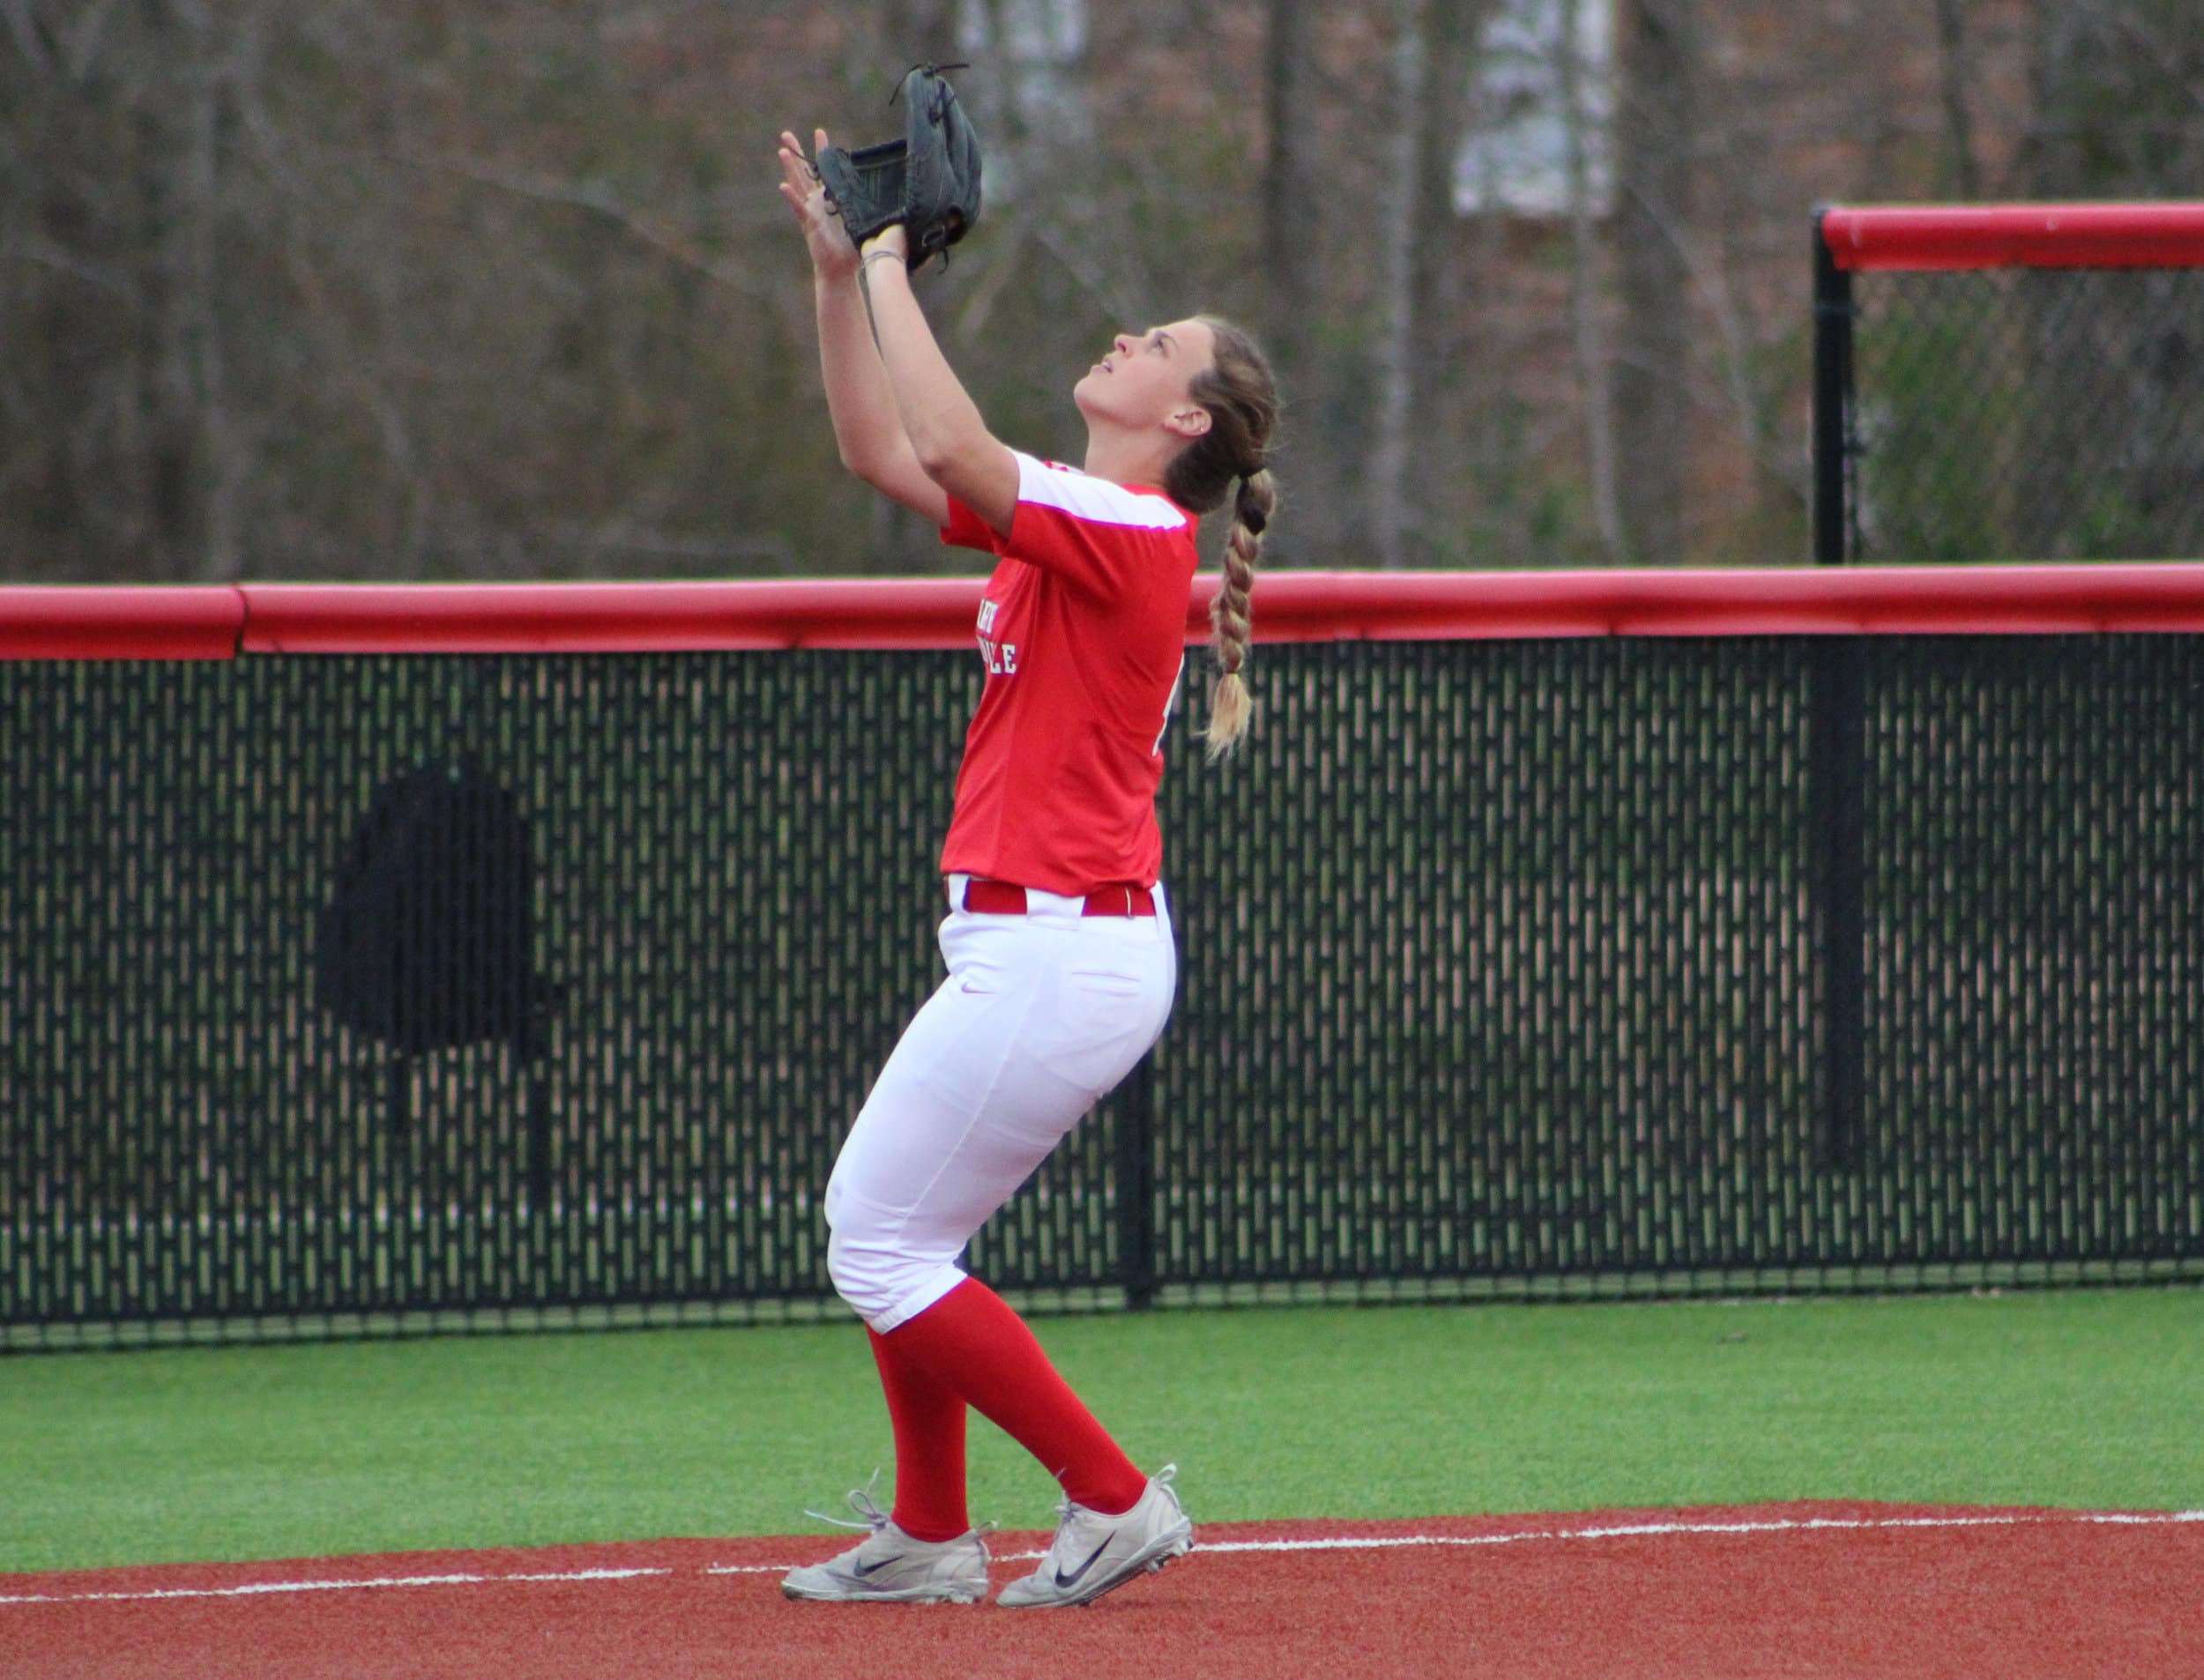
<point x="890" y="241"/>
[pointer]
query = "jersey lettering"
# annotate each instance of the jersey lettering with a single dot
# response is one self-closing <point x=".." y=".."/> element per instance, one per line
<point x="1001" y="656"/>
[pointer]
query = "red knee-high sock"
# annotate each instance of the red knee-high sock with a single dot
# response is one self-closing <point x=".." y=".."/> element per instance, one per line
<point x="929" y="1422"/>
<point x="971" y="1343"/>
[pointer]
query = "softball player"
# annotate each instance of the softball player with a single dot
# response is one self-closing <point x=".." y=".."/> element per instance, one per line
<point x="1058" y="939"/>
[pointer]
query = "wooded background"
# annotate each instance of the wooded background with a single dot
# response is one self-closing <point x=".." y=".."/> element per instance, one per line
<point x="408" y="288"/>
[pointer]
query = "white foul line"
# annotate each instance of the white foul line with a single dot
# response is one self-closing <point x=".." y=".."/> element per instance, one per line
<point x="1344" y="1542"/>
<point x="1374" y="1542"/>
<point x="255" y="1589"/>
<point x="1790" y="1525"/>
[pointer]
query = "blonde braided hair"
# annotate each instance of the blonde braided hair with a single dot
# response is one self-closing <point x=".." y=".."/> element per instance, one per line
<point x="1242" y="398"/>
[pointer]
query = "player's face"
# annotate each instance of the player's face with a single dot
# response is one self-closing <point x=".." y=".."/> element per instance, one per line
<point x="1144" y="380"/>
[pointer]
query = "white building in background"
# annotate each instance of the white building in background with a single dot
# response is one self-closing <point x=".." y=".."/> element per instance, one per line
<point x="1516" y="153"/>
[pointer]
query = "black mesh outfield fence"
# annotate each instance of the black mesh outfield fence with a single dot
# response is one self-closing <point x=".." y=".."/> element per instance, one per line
<point x="358" y="992"/>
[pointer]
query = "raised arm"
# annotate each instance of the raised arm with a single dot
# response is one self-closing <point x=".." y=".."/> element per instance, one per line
<point x="951" y="442"/>
<point x="868" y="428"/>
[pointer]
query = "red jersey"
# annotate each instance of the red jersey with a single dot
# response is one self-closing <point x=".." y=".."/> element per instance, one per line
<point x="1083" y="628"/>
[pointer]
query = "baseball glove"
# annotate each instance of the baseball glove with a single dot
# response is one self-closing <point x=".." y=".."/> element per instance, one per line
<point x="928" y="180"/>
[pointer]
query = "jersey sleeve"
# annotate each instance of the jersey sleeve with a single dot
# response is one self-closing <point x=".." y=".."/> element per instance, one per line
<point x="1088" y="530"/>
<point x="967" y="530"/>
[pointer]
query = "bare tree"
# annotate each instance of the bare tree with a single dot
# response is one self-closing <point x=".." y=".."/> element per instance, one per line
<point x="1958" y="126"/>
<point x="2119" y="98"/>
<point x="1289" y="181"/>
<point x="1658" y="52"/>
<point x="1398" y="236"/>
<point x="1435" y="368"/>
<point x="1293" y="254"/>
<point x="1433" y="53"/>
<point x="121" y="157"/>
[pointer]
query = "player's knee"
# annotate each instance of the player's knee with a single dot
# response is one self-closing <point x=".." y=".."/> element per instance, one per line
<point x="885" y="1281"/>
<point x="866" y="1274"/>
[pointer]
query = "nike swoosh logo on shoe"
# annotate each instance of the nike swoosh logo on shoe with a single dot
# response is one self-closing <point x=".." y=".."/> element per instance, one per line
<point x="862" y="1570"/>
<point x="1073" y="1578"/>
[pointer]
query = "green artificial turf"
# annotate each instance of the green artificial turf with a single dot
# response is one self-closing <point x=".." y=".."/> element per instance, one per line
<point x="2083" y="1399"/>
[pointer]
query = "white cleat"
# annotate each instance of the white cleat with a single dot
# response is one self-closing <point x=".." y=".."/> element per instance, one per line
<point x="1094" y="1554"/>
<point x="888" y="1567"/>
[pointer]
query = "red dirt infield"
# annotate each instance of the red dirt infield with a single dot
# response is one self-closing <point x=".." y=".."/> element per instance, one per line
<point x="1860" y="1591"/>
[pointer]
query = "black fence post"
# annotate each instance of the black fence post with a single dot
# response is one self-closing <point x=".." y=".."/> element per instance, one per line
<point x="1136" y="1185"/>
<point x="1833" y="445"/>
<point x="1837" y="753"/>
<point x="1836" y="745"/>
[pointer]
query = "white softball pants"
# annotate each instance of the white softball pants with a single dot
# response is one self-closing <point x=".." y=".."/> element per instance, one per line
<point x="1041" y="1016"/>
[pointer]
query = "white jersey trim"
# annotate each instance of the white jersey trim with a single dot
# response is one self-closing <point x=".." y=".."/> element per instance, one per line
<point x="1083" y="496"/>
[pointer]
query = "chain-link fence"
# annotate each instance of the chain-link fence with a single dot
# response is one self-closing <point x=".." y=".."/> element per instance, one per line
<point x="2013" y="412"/>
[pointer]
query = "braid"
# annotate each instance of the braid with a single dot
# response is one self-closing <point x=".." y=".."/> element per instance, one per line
<point x="1229" y="705"/>
<point x="1242" y="401"/>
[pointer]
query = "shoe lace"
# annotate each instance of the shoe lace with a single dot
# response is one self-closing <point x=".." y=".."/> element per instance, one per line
<point x="1066" y="1509"/>
<point x="861" y="1501"/>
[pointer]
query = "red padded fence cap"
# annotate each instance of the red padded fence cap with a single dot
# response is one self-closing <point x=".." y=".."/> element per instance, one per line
<point x="913" y="613"/>
<point x="610" y="618"/>
<point x="99" y="621"/>
<point x="1796" y="601"/>
<point x="1916" y="237"/>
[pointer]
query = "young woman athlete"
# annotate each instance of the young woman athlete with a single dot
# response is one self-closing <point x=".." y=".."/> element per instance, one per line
<point x="1058" y="939"/>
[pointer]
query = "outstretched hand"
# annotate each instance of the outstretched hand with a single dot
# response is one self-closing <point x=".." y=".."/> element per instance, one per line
<point x="832" y="254"/>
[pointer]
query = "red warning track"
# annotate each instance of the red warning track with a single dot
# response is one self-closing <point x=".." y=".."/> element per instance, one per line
<point x="1801" y="1590"/>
